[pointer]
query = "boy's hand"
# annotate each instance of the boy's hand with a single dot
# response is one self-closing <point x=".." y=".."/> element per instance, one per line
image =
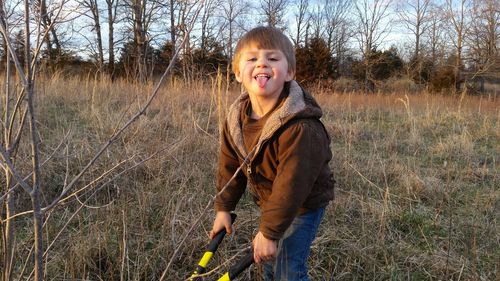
<point x="222" y="220"/>
<point x="263" y="248"/>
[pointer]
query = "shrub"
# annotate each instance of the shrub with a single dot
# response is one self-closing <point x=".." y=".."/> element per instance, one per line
<point x="443" y="79"/>
<point x="344" y="84"/>
<point x="400" y="85"/>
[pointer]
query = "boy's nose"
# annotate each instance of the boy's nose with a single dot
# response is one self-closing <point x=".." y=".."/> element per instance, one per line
<point x="262" y="62"/>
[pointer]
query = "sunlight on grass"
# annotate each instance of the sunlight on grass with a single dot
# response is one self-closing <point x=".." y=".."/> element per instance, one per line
<point x="417" y="183"/>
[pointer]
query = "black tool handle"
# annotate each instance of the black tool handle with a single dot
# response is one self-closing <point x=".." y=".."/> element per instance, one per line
<point x="242" y="264"/>
<point x="214" y="244"/>
<point x="211" y="248"/>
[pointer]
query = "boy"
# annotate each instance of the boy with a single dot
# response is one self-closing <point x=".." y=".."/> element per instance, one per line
<point x="274" y="128"/>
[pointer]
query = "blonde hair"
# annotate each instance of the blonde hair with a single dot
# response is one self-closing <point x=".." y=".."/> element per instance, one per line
<point x="264" y="37"/>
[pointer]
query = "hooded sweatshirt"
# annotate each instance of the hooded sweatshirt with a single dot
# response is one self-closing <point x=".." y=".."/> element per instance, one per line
<point x="287" y="170"/>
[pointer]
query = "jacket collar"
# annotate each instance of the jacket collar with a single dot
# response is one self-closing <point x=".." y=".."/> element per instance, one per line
<point x="291" y="107"/>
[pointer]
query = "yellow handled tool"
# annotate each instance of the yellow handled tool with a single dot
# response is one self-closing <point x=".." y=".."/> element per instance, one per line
<point x="211" y="248"/>
<point x="238" y="268"/>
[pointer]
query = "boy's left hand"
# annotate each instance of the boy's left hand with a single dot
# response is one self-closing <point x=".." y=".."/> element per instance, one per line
<point x="263" y="248"/>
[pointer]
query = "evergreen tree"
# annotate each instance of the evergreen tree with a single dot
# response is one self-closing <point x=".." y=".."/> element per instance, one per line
<point x="315" y="62"/>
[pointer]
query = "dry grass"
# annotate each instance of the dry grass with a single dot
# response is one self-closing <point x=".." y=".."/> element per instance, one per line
<point x="418" y="194"/>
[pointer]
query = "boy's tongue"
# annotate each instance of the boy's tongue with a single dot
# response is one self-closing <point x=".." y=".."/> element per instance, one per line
<point x="262" y="80"/>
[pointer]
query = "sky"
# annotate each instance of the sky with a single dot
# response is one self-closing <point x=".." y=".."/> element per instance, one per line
<point x="79" y="34"/>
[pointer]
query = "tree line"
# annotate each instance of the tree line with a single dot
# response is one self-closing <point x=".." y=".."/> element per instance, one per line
<point x="437" y="44"/>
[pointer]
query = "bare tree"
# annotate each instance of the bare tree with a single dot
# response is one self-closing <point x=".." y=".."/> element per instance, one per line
<point x="434" y="37"/>
<point x="372" y="28"/>
<point x="184" y="16"/>
<point x="139" y="30"/>
<point x="92" y="6"/>
<point x="484" y="36"/>
<point x="141" y="15"/>
<point x="7" y="208"/>
<point x="317" y="21"/>
<point x="207" y="26"/>
<point x="18" y="105"/>
<point x="300" y="18"/>
<point x="111" y="7"/>
<point x="231" y="11"/>
<point x="93" y="10"/>
<point x="3" y="17"/>
<point x="176" y="10"/>
<point x="34" y="191"/>
<point x="46" y="17"/>
<point x="456" y="14"/>
<point x="330" y="21"/>
<point x="273" y="11"/>
<point x="415" y="17"/>
<point x="338" y="30"/>
<point x="336" y="16"/>
<point x="172" y="20"/>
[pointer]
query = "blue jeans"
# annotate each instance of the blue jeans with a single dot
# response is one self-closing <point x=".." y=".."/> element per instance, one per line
<point x="293" y="249"/>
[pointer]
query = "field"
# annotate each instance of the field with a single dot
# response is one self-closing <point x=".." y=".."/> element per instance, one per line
<point x="417" y="194"/>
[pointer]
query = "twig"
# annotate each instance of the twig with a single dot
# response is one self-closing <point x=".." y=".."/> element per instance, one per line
<point x="29" y="175"/>
<point x="96" y="180"/>
<point x="92" y="207"/>
<point x="13" y="171"/>
<point x="16" y="109"/>
<point x="124" y="241"/>
<point x="28" y="256"/>
<point x="12" y="51"/>
<point x="201" y="129"/>
<point x="381" y="190"/>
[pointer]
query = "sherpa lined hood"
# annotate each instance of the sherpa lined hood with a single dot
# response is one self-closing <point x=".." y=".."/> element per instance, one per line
<point x="298" y="104"/>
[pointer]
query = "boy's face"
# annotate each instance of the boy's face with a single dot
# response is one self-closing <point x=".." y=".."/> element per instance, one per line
<point x="263" y="72"/>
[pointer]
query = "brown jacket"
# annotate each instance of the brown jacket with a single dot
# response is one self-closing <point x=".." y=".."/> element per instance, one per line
<point x="287" y="171"/>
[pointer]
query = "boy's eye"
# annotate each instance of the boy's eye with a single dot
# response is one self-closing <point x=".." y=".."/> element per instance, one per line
<point x="252" y="59"/>
<point x="273" y="59"/>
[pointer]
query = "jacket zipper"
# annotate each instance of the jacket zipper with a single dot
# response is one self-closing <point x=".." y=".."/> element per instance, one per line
<point x="252" y="189"/>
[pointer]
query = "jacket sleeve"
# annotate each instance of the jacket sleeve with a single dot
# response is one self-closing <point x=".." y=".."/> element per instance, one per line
<point x="302" y="153"/>
<point x="227" y="166"/>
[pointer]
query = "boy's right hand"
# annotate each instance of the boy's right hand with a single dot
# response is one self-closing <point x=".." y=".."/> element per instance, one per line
<point x="222" y="220"/>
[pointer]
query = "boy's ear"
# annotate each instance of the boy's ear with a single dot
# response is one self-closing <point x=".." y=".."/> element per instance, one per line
<point x="237" y="74"/>
<point x="290" y="75"/>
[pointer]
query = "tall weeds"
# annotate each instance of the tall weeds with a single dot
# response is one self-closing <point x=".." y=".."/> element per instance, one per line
<point x="417" y="184"/>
